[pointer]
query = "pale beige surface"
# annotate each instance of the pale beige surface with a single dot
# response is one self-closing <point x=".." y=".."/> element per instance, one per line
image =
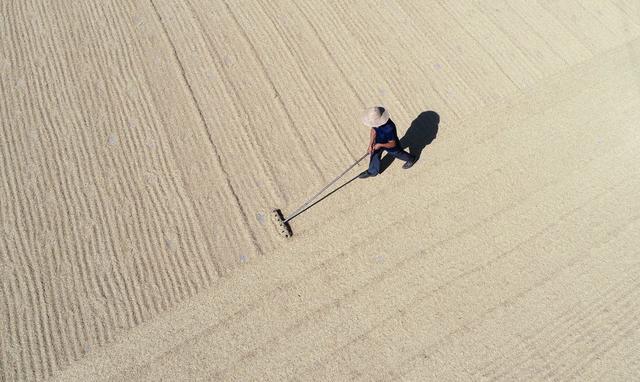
<point x="143" y="142"/>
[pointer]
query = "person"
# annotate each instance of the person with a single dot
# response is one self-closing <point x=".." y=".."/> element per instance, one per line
<point x="383" y="137"/>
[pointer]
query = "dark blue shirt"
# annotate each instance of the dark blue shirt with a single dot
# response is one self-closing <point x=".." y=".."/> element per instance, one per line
<point x="386" y="133"/>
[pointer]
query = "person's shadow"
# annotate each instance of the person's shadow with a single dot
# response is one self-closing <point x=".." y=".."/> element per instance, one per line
<point x="422" y="132"/>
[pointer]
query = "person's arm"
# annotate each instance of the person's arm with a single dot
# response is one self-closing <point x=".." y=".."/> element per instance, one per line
<point x="372" y="139"/>
<point x="387" y="145"/>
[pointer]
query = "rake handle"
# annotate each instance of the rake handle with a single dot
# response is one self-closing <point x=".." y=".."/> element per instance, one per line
<point x="299" y="209"/>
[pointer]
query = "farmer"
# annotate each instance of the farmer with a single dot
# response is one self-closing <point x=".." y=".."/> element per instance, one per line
<point x="383" y="137"/>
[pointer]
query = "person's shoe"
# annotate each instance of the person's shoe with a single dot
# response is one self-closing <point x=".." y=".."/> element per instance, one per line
<point x="408" y="164"/>
<point x="365" y="174"/>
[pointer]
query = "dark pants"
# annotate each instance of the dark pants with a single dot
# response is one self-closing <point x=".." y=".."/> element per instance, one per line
<point x="374" y="161"/>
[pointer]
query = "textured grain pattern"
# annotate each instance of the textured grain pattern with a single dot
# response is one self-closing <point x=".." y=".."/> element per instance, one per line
<point x="142" y="144"/>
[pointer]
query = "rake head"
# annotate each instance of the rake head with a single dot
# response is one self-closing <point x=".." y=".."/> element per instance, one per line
<point x="284" y="229"/>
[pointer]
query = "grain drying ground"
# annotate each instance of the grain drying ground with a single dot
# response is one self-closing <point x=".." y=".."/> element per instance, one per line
<point x="142" y="144"/>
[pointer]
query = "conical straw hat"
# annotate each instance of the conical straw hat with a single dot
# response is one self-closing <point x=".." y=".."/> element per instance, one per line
<point x="375" y="116"/>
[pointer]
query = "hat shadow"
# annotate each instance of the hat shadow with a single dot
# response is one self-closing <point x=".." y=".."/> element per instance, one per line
<point x="422" y="131"/>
